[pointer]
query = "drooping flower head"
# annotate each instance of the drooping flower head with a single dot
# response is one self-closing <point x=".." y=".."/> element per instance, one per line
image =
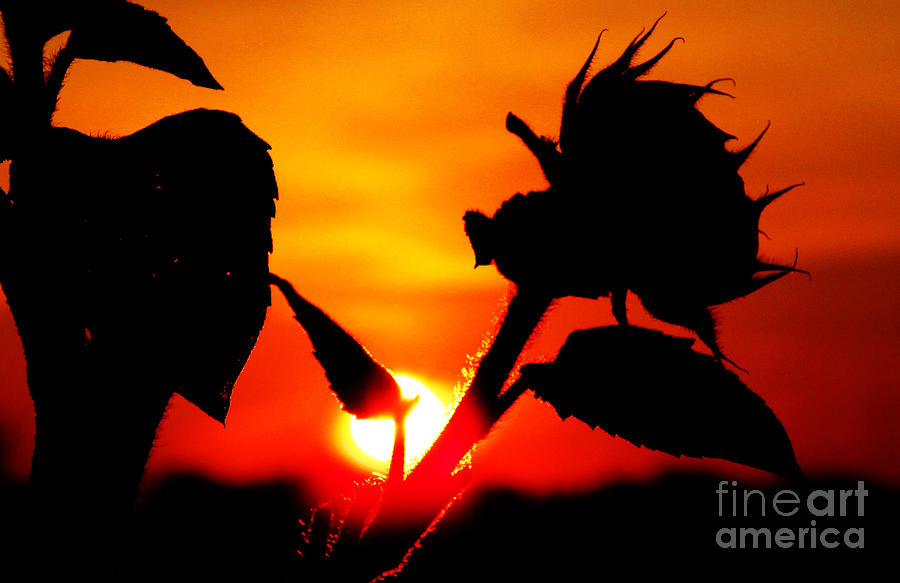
<point x="644" y="196"/>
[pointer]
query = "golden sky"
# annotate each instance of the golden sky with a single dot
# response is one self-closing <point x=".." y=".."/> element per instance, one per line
<point x="386" y="121"/>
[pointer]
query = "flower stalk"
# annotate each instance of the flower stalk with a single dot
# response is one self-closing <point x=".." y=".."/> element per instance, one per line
<point x="409" y="508"/>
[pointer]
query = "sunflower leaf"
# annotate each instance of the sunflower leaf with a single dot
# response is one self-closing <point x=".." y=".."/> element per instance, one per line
<point x="109" y="30"/>
<point x="123" y="31"/>
<point x="655" y="391"/>
<point x="364" y="387"/>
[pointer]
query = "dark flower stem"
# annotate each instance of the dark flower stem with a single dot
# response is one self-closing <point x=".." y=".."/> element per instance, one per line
<point x="411" y="508"/>
<point x="477" y="412"/>
<point x="398" y="454"/>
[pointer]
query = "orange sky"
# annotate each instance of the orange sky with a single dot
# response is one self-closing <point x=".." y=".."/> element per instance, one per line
<point x="386" y="121"/>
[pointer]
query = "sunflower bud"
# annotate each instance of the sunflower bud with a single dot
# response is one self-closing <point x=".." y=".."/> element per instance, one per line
<point x="644" y="196"/>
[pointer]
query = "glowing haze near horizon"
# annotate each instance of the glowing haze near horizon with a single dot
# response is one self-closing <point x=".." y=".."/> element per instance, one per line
<point x="386" y="121"/>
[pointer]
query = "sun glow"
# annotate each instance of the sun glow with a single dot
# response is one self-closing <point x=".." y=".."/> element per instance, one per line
<point x="373" y="440"/>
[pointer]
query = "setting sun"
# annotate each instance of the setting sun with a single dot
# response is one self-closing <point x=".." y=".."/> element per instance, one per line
<point x="374" y="438"/>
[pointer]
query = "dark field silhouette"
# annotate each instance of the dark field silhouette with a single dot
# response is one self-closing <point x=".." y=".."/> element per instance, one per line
<point x="191" y="528"/>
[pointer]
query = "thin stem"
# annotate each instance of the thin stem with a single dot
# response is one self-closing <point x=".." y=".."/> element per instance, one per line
<point x="476" y="413"/>
<point x="398" y="455"/>
<point x="27" y="55"/>
<point x="410" y="510"/>
<point x="396" y="473"/>
<point x="57" y="76"/>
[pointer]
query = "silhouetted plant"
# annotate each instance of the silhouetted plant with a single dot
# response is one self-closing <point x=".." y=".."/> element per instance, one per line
<point x="134" y="267"/>
<point x="364" y="387"/>
<point x="644" y="197"/>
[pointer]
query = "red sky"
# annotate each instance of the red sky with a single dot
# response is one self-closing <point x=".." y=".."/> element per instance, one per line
<point x="386" y="121"/>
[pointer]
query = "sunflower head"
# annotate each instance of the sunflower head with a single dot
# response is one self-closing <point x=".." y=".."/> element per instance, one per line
<point x="643" y="195"/>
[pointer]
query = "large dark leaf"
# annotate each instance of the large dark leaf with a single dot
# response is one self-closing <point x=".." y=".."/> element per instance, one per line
<point x="162" y="239"/>
<point x="110" y="30"/>
<point x="365" y="388"/>
<point x="655" y="391"/>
